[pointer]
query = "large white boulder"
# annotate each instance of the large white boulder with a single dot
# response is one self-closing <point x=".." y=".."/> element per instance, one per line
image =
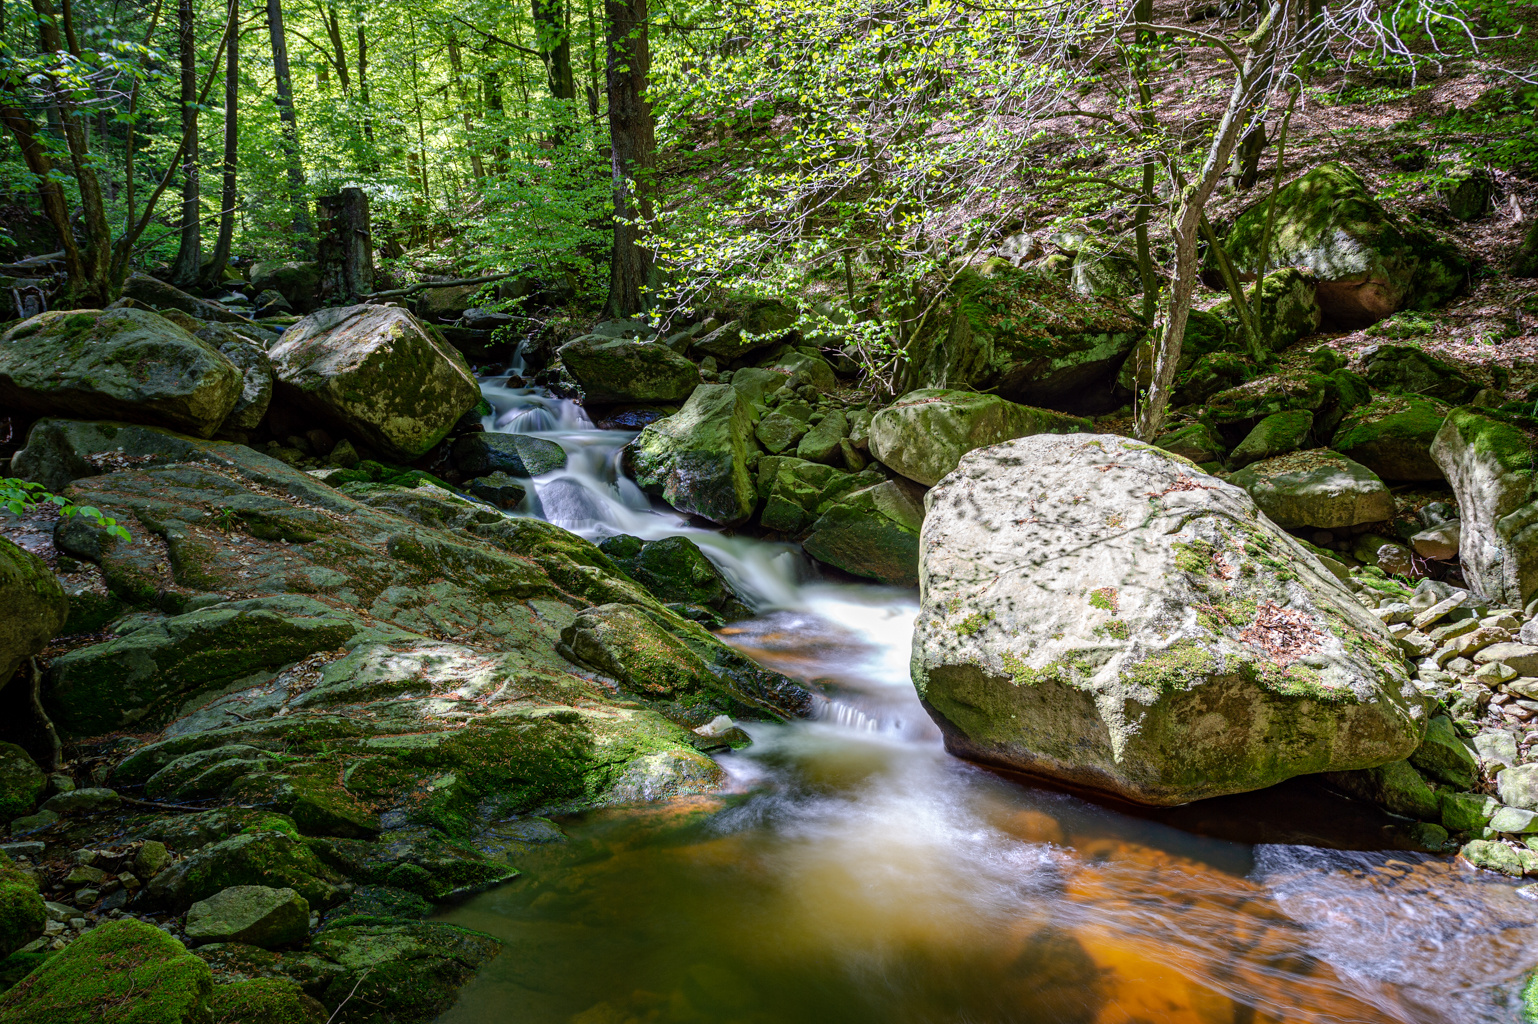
<point x="1100" y="612"/>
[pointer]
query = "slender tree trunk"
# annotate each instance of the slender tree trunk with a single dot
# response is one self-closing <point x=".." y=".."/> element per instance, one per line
<point x="188" y="266"/>
<point x="231" y="149"/>
<point x="633" y="145"/>
<point x="371" y="160"/>
<point x="339" y="52"/>
<point x="1251" y="85"/>
<point x="49" y="192"/>
<point x="290" y="126"/>
<point x="476" y="167"/>
<point x="492" y="85"/>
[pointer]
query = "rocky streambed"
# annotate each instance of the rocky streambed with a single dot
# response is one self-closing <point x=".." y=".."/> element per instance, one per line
<point x="372" y="638"/>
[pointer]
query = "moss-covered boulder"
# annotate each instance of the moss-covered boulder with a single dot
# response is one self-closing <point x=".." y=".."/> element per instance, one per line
<point x="22" y="915"/>
<point x="22" y="782"/>
<point x="262" y="857"/>
<point x="678" y="661"/>
<point x="256" y="377"/>
<point x="795" y="492"/>
<point x="612" y="370"/>
<point x="676" y="571"/>
<point x="1406" y="370"/>
<point x="376" y="374"/>
<point x="1026" y="337"/>
<point x="1329" y="396"/>
<point x="1277" y="434"/>
<point x="1317" y="488"/>
<point x="258" y="915"/>
<point x="1368" y="262"/>
<point x="119" y="363"/>
<point x="873" y="532"/>
<point x="924" y="434"/>
<point x="1287" y="309"/>
<point x="298" y="282"/>
<point x="1445" y="756"/>
<point x="1195" y="441"/>
<point x="1395" y="786"/>
<point x="1206" y="335"/>
<point x="399" y="973"/>
<point x="760" y="323"/>
<point x="141" y="677"/>
<point x="1392" y="437"/>
<point x="120" y="972"/>
<point x="33" y="607"/>
<point x="697" y="459"/>
<point x="517" y="454"/>
<point x="265" y="1001"/>
<point x="1096" y="611"/>
<point x="1491" y="460"/>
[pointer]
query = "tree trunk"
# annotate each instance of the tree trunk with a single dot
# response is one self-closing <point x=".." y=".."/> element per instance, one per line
<point x="339" y="53"/>
<point x="553" y="42"/>
<point x="345" y="251"/>
<point x="492" y="86"/>
<point x="231" y="149"/>
<point x="296" y="184"/>
<point x="632" y="145"/>
<point x="189" y="253"/>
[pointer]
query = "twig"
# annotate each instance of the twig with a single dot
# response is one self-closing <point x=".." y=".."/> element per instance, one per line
<point x="361" y="979"/>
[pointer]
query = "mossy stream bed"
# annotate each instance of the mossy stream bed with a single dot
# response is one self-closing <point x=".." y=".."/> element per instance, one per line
<point x="857" y="873"/>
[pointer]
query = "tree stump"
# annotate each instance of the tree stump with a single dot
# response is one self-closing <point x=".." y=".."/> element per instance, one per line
<point x="346" y="250"/>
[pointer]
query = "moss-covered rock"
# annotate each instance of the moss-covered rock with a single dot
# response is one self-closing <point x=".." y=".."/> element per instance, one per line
<point x="1392" y="437"/>
<point x="1097" y="611"/>
<point x="399" y="973"/>
<point x="1395" y="786"/>
<point x="1317" y="488"/>
<point x="1329" y="396"/>
<point x="22" y="915"/>
<point x="298" y="282"/>
<point x="678" y="660"/>
<point x="1287" y="311"/>
<point x="1026" y="337"/>
<point x="22" y="782"/>
<point x="256" y="377"/>
<point x="1491" y="460"/>
<point x="924" y="434"/>
<point x="697" y="460"/>
<point x="120" y="972"/>
<point x="258" y="915"/>
<point x="253" y="858"/>
<point x="264" y="1001"/>
<point x="378" y="375"/>
<point x="121" y="363"/>
<point x="1492" y="856"/>
<point x="517" y="454"/>
<point x="1277" y="434"/>
<point x="676" y="571"/>
<point x="1406" y="370"/>
<point x="33" y="607"/>
<point x="795" y="492"/>
<point x="1368" y="262"/>
<point x="141" y="677"/>
<point x="1195" y="441"/>
<point x="873" y="532"/>
<point x="612" y="370"/>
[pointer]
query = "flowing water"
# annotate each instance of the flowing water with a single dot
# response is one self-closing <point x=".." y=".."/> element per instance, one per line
<point x="855" y="872"/>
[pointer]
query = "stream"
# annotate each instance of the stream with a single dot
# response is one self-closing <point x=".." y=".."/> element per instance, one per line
<point x="854" y="872"/>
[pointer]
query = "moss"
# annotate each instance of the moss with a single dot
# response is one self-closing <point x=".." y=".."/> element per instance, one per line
<point x="972" y="623"/>
<point x="1113" y="630"/>
<point x="400" y="973"/>
<point x="21" y="908"/>
<point x="121" y="972"/>
<point x="1177" y="666"/>
<point x="1194" y="557"/>
<point x="1104" y="599"/>
<point x="1025" y="675"/>
<point x="22" y="782"/>
<point x="265" y="1001"/>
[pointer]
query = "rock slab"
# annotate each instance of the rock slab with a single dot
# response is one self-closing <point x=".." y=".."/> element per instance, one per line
<point x="924" y="434"/>
<point x="255" y="914"/>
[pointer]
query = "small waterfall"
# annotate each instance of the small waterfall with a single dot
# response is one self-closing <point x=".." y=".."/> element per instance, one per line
<point x="591" y="497"/>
